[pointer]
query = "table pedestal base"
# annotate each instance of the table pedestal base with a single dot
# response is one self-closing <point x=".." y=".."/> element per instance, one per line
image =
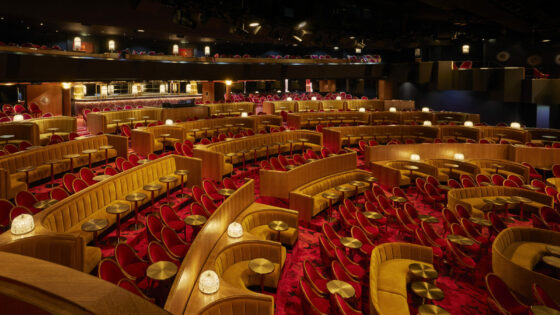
<point x="136" y="226"/>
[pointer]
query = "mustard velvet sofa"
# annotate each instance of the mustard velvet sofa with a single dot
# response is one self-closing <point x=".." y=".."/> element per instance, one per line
<point x="465" y="168"/>
<point x="105" y="121"/>
<point x="215" y="126"/>
<point x="230" y="109"/>
<point x="148" y="140"/>
<point x="394" y="173"/>
<point x="508" y="168"/>
<point x="240" y="305"/>
<point x="389" y="276"/>
<point x="512" y="135"/>
<point x="277" y="106"/>
<point x="256" y="223"/>
<point x="22" y="131"/>
<point x="65" y="126"/>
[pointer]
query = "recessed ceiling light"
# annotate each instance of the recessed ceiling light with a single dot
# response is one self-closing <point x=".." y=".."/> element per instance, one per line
<point x="254" y="24"/>
<point x="41" y="23"/>
<point x="352" y="37"/>
<point x="546" y="40"/>
<point x="56" y="31"/>
<point x="1" y="17"/>
<point x="302" y="24"/>
<point x="28" y="27"/>
<point x="140" y="30"/>
<point x="335" y="47"/>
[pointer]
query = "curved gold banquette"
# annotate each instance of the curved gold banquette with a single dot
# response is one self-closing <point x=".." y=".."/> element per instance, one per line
<point x="230" y="109"/>
<point x="256" y="222"/>
<point x="12" y="181"/>
<point x="105" y="121"/>
<point x="215" y="126"/>
<point x="502" y="167"/>
<point x="240" y="305"/>
<point x="472" y="199"/>
<point x="215" y="164"/>
<point x="516" y="251"/>
<point x="148" y="140"/>
<point x="389" y="276"/>
<point x="276" y="107"/>
<point x="395" y="173"/>
<point x="64" y="124"/>
<point x="311" y="119"/>
<point x="22" y="131"/>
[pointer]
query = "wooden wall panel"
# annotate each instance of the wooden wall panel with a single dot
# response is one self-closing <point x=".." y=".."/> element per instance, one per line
<point x="47" y="96"/>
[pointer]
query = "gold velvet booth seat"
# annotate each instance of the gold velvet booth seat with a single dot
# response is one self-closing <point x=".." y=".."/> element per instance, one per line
<point x="389" y="276"/>
<point x="22" y="131"/>
<point x="241" y="305"/>
<point x="416" y="117"/>
<point x="12" y="181"/>
<point x="395" y="173"/>
<point x="272" y="121"/>
<point x="488" y="167"/>
<point x="398" y="104"/>
<point x="459" y="133"/>
<point x="215" y="164"/>
<point x="516" y="251"/>
<point x="511" y="135"/>
<point x="147" y="140"/>
<point x="312" y="119"/>
<point x="331" y="105"/>
<point x="305" y="106"/>
<point x="105" y="121"/>
<point x="369" y="105"/>
<point x="465" y="168"/>
<point x="537" y="134"/>
<point x="455" y="117"/>
<point x="256" y="222"/>
<point x="386" y="118"/>
<point x="278" y="106"/>
<point x="184" y="113"/>
<point x="65" y="126"/>
<point x="215" y="126"/>
<point x="472" y="199"/>
<point x="308" y="199"/>
<point x="230" y="109"/>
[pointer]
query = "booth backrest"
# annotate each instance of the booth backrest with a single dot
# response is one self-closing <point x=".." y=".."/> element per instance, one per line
<point x="241" y="305"/>
<point x="399" y="104"/>
<point x="63" y="123"/>
<point x="276" y="107"/>
<point x="450" y="131"/>
<point x="265" y="216"/>
<point x="330" y="181"/>
<point x="537" y="133"/>
<point x="201" y="123"/>
<point x="509" y="166"/>
<point x="417" y="116"/>
<point x="21" y="130"/>
<point x="97" y="121"/>
<point x="332" y="105"/>
<point x="538" y="157"/>
<point x="386" y="117"/>
<point x="422" y="167"/>
<point x="520" y="135"/>
<point x="308" y="105"/>
<point x="184" y="113"/>
<point x="224" y="108"/>
<point x="246" y="251"/>
<point x="453" y="116"/>
<point x="429" y="151"/>
<point x="296" y="120"/>
<point x="367" y="104"/>
<point x="463" y="166"/>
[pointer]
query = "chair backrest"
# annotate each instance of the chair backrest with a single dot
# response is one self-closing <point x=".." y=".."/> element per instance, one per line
<point x="539" y="184"/>
<point x="310" y="297"/>
<point x="109" y="270"/>
<point x="481" y="178"/>
<point x="168" y="215"/>
<point x="133" y="158"/>
<point x="453" y="183"/>
<point x="497" y="179"/>
<point x="55" y="139"/>
<point x="26" y="199"/>
<point x="467" y="182"/>
<point x="127" y="165"/>
<point x="196" y="208"/>
<point x="119" y="163"/>
<point x="5" y="207"/>
<point x="156" y="252"/>
<point x="130" y="286"/>
<point x="462" y="212"/>
<point x="209" y="187"/>
<point x="556" y="170"/>
<point x="266" y="165"/>
<point x="313" y="275"/>
<point x="58" y="193"/>
<point x="67" y="180"/>
<point x="276" y="164"/>
<point x="510" y="183"/>
<point x="432" y="180"/>
<point x="330" y="234"/>
<point x="24" y="145"/>
<point x="18" y="210"/>
<point x="541" y="297"/>
<point x="516" y="179"/>
<point x="500" y="292"/>
<point x="497" y="224"/>
<point x="229" y="183"/>
<point x="110" y="171"/>
<point x="86" y="174"/>
<point x="79" y="184"/>
<point x="125" y="130"/>
<point x="208" y="204"/>
<point x="153" y="226"/>
<point x="10" y="148"/>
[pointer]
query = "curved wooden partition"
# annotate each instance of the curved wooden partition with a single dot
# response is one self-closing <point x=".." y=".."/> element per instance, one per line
<point x="311" y="119"/>
<point x="334" y="137"/>
<point x="428" y="151"/>
<point x="279" y="183"/>
<point x="304" y="106"/>
<point x="65" y="126"/>
<point x="515" y="252"/>
<point x="367" y="104"/>
<point x="394" y="173"/>
<point x="511" y="135"/>
<point x="34" y="286"/>
<point x="459" y="133"/>
<point x="538" y="157"/>
<point x="185" y="297"/>
<point x="22" y="131"/>
<point x="278" y="106"/>
<point x="230" y="108"/>
<point x="104" y="121"/>
<point x="538" y="133"/>
<point x="215" y="165"/>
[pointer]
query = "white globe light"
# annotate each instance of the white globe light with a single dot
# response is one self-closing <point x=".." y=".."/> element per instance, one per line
<point x="169" y="122"/>
<point x="209" y="282"/>
<point x="338" y="98"/>
<point x="244" y="114"/>
<point x="18" y="117"/>
<point x="427" y="123"/>
<point x="459" y="156"/>
<point x="22" y="224"/>
<point x="414" y="157"/>
<point x="235" y="230"/>
<point x="392" y="109"/>
<point x="313" y="98"/>
<point x="425" y="109"/>
<point x="362" y="110"/>
<point x="515" y="125"/>
<point x="288" y="99"/>
<point x="468" y="123"/>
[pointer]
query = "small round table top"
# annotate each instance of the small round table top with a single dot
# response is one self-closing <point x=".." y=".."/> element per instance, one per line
<point x="343" y="188"/>
<point x="411" y="167"/>
<point x="278" y="143"/>
<point x="142" y="161"/>
<point x="423" y="271"/>
<point x="427" y="290"/>
<point x="278" y="225"/>
<point x="398" y="199"/>
<point x="357" y="183"/>
<point x="290" y="166"/>
<point x="51" y="162"/>
<point x="6" y="137"/>
<point x="480" y="221"/>
<point x="553" y="249"/>
<point x="351" y="242"/>
<point x="228" y="125"/>
<point x="118" y="208"/>
<point x="161" y="270"/>
<point x="182" y="172"/>
<point x="167" y="179"/>
<point x="152" y="187"/>
<point x="165" y="135"/>
<point x="231" y="154"/>
<point x="194" y="130"/>
<point x="43" y="204"/>
<point x="552" y="261"/>
<point x="349" y="135"/>
<point x="226" y="192"/>
<point x="548" y="136"/>
<point x="266" y="122"/>
<point x="116" y="120"/>
<point x="261" y="266"/>
<point x="204" y="128"/>
<point x="494" y="202"/>
<point x="497" y="165"/>
<point x="135" y="197"/>
<point x="195" y="220"/>
<point x="370" y="179"/>
<point x="451" y="165"/>
<point x="543" y="310"/>
<point x="509" y="201"/>
<point x="521" y="199"/>
<point x="53" y="129"/>
<point x="106" y="147"/>
<point x="240" y="124"/>
<point x="428" y="218"/>
<point x="99" y="178"/>
<point x="131" y="118"/>
<point x="486" y="184"/>
<point x="26" y="168"/>
<point x="71" y="156"/>
<point x="145" y="117"/>
<point x="342" y="288"/>
<point x="95" y="225"/>
<point x="459" y="239"/>
<point x="330" y="196"/>
<point x="431" y="309"/>
<point x="501" y="134"/>
<point x="36" y="146"/>
<point x="373" y="215"/>
<point x="303" y="140"/>
<point x="89" y="151"/>
<point x="444" y="187"/>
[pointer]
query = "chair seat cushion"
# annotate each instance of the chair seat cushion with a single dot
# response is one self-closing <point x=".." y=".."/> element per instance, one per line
<point x="241" y="276"/>
<point x="525" y="254"/>
<point x="288" y="237"/>
<point x="137" y="270"/>
<point x="92" y="257"/>
<point x="393" y="304"/>
<point x="393" y="276"/>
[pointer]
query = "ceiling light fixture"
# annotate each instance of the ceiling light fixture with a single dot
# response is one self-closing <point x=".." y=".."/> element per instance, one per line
<point x="297" y="38"/>
<point x="545" y="40"/>
<point x="140" y="30"/>
<point x="254" y="24"/>
<point x="466" y="49"/>
<point x="301" y="25"/>
<point x="336" y="48"/>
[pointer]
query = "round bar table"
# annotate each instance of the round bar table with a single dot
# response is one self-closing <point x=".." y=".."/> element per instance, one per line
<point x="553" y="250"/>
<point x="291" y="142"/>
<point x="100" y="178"/>
<point x="146" y="119"/>
<point x="342" y="288"/>
<point x="431" y="309"/>
<point x="278" y="226"/>
<point x="370" y="180"/>
<point x="161" y="270"/>
<point x="26" y="170"/>
<point x="52" y="163"/>
<point x="7" y="138"/>
<point x="243" y="152"/>
<point x="411" y="168"/>
<point x="152" y="188"/>
<point x="205" y="131"/>
<point x="451" y="167"/>
<point x="343" y="189"/>
<point x="226" y="192"/>
<point x="196" y="221"/>
<point x="351" y="243"/>
<point x="118" y="209"/>
<point x="53" y="130"/>
<point x="95" y="225"/>
<point x="530" y="187"/>
<point x="71" y="157"/>
<point x="182" y="173"/>
<point x="163" y="136"/>
<point x="460" y="240"/>
<point x="522" y="200"/>
<point x="422" y="271"/>
<point x="89" y="152"/>
<point x="44" y="204"/>
<point x="497" y="167"/>
<point x="426" y="290"/>
<point x="106" y="148"/>
<point x="131" y="119"/>
<point x="279" y="144"/>
<point x="194" y="133"/>
<point x="167" y="180"/>
<point x="230" y="155"/>
<point x="262" y="267"/>
<point x="428" y="218"/>
<point x="398" y="200"/>
<point x="330" y="197"/>
<point x="135" y="197"/>
<point x="117" y="121"/>
<point x="357" y="184"/>
<point x="507" y="201"/>
<point x="303" y="141"/>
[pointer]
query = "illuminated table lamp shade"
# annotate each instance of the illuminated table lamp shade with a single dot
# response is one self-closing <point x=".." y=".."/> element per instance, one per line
<point x="244" y="114"/>
<point x="162" y="88"/>
<point x="77" y="43"/>
<point x="338" y="98"/>
<point x="111" y="45"/>
<point x="459" y="156"/>
<point x="209" y="282"/>
<point x="235" y="230"/>
<point x="425" y="109"/>
<point x="468" y="123"/>
<point x="175" y="49"/>
<point x="392" y="109"/>
<point x="414" y="157"/>
<point x="66" y="85"/>
<point x="18" y="117"/>
<point x="168" y="122"/>
<point x="289" y="99"/>
<point x="427" y="123"/>
<point x="228" y="82"/>
<point x="22" y="224"/>
<point x="515" y="125"/>
<point x="207" y="50"/>
<point x="362" y="110"/>
<point x="103" y="90"/>
<point x="313" y="98"/>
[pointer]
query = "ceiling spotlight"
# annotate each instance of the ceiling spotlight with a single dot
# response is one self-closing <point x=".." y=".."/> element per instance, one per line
<point x="140" y="30"/>
<point x="254" y="24"/>
<point x="336" y="48"/>
<point x="545" y="40"/>
<point x="301" y="25"/>
<point x="297" y="38"/>
<point x="41" y="23"/>
<point x="352" y="37"/>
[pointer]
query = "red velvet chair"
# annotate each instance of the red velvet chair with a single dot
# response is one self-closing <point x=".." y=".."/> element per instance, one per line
<point x="73" y="136"/>
<point x="448" y="218"/>
<point x="315" y="278"/>
<point x="397" y="191"/>
<point x="26" y="199"/>
<point x="131" y="287"/>
<point x="125" y="131"/>
<point x="313" y="303"/>
<point x="433" y="195"/>
<point x="211" y="191"/>
<point x="229" y="184"/>
<point x="420" y="183"/>
<point x="208" y="204"/>
<point x="461" y="212"/>
<point x="434" y="238"/>
<point x="332" y="237"/>
<point x="533" y="174"/>
<point x="510" y="183"/>
<point x="467" y="182"/>
<point x="87" y="175"/>
<point x="327" y="250"/>
<point x="276" y="165"/>
<point x="153" y="228"/>
<point x="423" y="240"/>
<point x="550" y="217"/>
<point x="497" y="224"/>
<point x="109" y="270"/>
<point x="339" y="273"/>
<point x="516" y="179"/>
<point x="5" y="207"/>
<point x="461" y="261"/>
<point x="24" y="145"/>
<point x="541" y="297"/>
<point x="127" y="165"/>
<point x="265" y="165"/>
<point x="186" y="150"/>
<point x="367" y="245"/>
<point x="457" y="229"/>
<point x="348" y="219"/>
<point x="539" y="184"/>
<point x="19" y="109"/>
<point x="119" y="163"/>
<point x="58" y="193"/>
<point x="11" y="148"/>
<point x="500" y="292"/>
<point x="55" y="139"/>
<point x="170" y="218"/>
<point x="538" y="222"/>
<point x="196" y="208"/>
<point x="152" y="156"/>
<point x="481" y="178"/>
<point x="556" y="170"/>
<point x="131" y="264"/>
<point x="110" y="171"/>
<point x="79" y="184"/>
<point x="18" y="210"/>
<point x="386" y="206"/>
<point x="412" y="213"/>
<point x="344" y="308"/>
<point x="378" y="191"/>
<point x="173" y="243"/>
<point x="406" y="225"/>
<point x="133" y="158"/>
<point x="498" y="179"/>
<point x="197" y="193"/>
<point x="355" y="270"/>
<point x="156" y="252"/>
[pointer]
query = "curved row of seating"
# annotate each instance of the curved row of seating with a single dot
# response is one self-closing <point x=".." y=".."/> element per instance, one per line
<point x="275" y="107"/>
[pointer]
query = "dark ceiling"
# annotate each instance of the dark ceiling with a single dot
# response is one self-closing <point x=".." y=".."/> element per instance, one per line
<point x="385" y="24"/>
